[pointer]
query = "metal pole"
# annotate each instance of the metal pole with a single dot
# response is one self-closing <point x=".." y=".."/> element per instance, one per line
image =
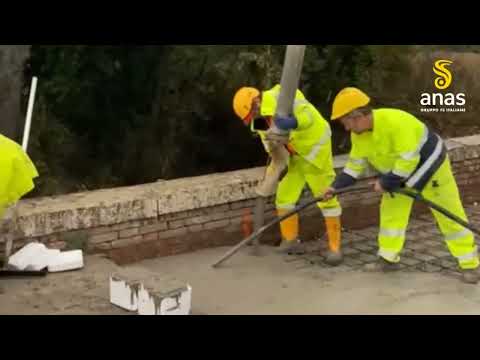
<point x="28" y="121"/>
<point x="292" y="70"/>
<point x="258" y="221"/>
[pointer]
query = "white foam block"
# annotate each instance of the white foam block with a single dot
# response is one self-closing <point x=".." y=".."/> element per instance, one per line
<point x="180" y="306"/>
<point x="43" y="259"/>
<point x="24" y="257"/>
<point x="66" y="261"/>
<point x="174" y="302"/>
<point x="124" y="293"/>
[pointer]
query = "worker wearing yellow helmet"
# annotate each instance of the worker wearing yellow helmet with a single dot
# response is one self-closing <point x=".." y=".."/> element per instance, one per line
<point x="307" y="137"/>
<point x="406" y="153"/>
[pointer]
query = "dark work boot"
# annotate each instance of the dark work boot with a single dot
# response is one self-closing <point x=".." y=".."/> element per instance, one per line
<point x="295" y="247"/>
<point x="382" y="265"/>
<point x="470" y="276"/>
<point x="334" y="258"/>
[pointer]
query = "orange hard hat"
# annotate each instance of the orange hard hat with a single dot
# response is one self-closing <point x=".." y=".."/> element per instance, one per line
<point x="242" y="102"/>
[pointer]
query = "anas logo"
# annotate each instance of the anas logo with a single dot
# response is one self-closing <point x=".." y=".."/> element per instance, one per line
<point x="448" y="102"/>
<point x="445" y="76"/>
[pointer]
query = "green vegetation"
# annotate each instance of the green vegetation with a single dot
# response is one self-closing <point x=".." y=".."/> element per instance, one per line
<point x="123" y="115"/>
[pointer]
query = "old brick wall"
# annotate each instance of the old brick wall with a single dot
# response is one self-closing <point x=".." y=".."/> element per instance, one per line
<point x="179" y="216"/>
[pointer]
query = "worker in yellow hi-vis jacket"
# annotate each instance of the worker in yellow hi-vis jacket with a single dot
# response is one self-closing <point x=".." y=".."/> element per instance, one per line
<point x="17" y="173"/>
<point x="406" y="153"/>
<point x="308" y="142"/>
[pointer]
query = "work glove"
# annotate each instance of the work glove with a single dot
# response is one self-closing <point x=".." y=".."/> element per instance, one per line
<point x="279" y="132"/>
<point x="391" y="182"/>
<point x="286" y="123"/>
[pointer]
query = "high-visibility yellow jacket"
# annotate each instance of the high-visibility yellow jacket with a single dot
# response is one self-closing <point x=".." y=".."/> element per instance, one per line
<point x="17" y="173"/>
<point x="400" y="147"/>
<point x="312" y="138"/>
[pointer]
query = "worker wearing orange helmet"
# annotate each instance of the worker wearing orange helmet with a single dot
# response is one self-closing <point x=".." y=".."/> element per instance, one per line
<point x="306" y="135"/>
<point x="406" y="154"/>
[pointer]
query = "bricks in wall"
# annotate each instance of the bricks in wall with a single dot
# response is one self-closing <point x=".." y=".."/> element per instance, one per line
<point x="172" y="233"/>
<point x="150" y="237"/>
<point x="127" y="241"/>
<point x="108" y="229"/>
<point x="128" y="233"/>
<point x="242" y="204"/>
<point x="195" y="228"/>
<point x="97" y="239"/>
<point x="152" y="228"/>
<point x="217" y="224"/>
<point x="175" y="241"/>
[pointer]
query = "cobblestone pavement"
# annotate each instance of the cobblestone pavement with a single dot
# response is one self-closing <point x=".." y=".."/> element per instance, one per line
<point x="424" y="250"/>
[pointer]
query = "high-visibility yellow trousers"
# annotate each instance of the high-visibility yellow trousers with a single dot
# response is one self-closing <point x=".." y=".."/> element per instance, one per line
<point x="300" y="173"/>
<point x="442" y="190"/>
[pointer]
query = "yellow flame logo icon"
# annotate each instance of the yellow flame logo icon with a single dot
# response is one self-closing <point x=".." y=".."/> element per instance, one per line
<point x="445" y="76"/>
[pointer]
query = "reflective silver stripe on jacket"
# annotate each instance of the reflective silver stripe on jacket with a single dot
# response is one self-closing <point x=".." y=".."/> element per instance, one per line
<point x="403" y="174"/>
<point x="352" y="173"/>
<point x="427" y="165"/>
<point x="318" y="146"/>
<point x="359" y="162"/>
<point x="410" y="155"/>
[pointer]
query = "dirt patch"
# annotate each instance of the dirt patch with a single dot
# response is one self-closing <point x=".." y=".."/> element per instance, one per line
<point x="77" y="292"/>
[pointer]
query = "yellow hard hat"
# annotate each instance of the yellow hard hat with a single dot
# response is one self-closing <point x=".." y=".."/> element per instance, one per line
<point x="242" y="101"/>
<point x="348" y="100"/>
